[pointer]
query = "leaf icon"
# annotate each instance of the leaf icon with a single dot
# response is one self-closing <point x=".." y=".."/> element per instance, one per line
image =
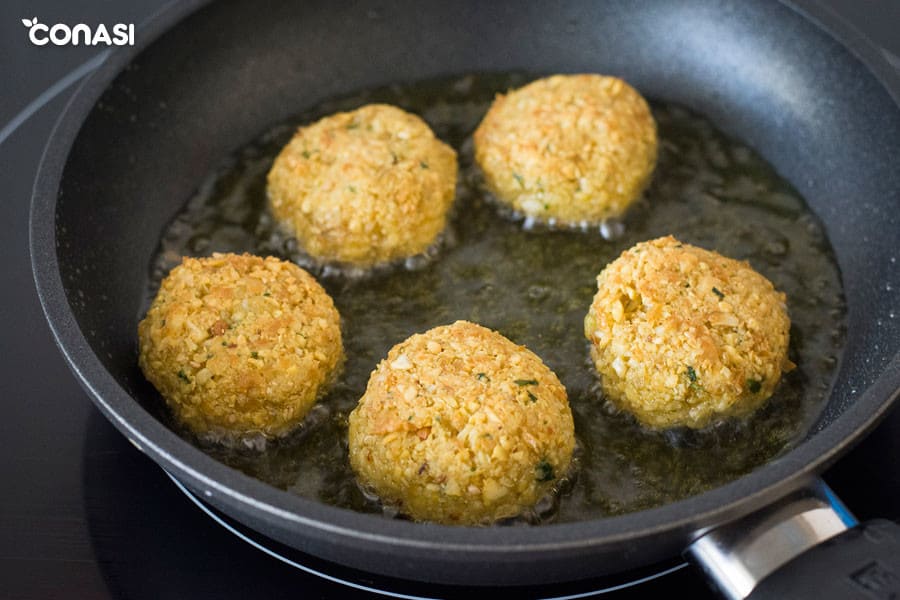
<point x="27" y="23"/>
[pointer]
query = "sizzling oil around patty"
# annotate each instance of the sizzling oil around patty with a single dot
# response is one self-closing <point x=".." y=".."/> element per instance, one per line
<point x="534" y="285"/>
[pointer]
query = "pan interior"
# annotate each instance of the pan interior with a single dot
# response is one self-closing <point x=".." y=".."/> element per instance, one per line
<point x="534" y="285"/>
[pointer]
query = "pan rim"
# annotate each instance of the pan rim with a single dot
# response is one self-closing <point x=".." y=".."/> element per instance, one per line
<point x="201" y="472"/>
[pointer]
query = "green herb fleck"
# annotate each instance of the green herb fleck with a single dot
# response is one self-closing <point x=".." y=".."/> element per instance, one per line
<point x="254" y="354"/>
<point x="225" y="344"/>
<point x="352" y="188"/>
<point x="691" y="374"/>
<point x="267" y="293"/>
<point x="305" y="153"/>
<point x="544" y="471"/>
<point x="423" y="164"/>
<point x="526" y="382"/>
<point x="532" y="397"/>
<point x="353" y="125"/>
<point x="520" y="179"/>
<point x="718" y="293"/>
<point x="754" y="385"/>
<point x="692" y="377"/>
<point x="183" y="377"/>
<point x="483" y="377"/>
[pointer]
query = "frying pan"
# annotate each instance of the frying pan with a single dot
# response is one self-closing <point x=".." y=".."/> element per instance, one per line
<point x="141" y="133"/>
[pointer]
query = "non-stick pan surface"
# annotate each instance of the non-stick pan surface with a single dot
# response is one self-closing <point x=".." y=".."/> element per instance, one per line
<point x="145" y="129"/>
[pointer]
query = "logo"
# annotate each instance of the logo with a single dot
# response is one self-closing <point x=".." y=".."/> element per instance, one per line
<point x="877" y="579"/>
<point x="60" y="34"/>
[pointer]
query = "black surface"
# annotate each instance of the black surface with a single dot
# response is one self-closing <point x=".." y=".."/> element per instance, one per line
<point x="85" y="515"/>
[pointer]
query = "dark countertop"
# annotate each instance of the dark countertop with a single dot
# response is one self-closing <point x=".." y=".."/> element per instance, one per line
<point x="84" y="514"/>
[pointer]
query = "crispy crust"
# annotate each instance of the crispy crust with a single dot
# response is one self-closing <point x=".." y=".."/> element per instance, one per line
<point x="681" y="335"/>
<point x="240" y="345"/>
<point x="574" y="148"/>
<point x="364" y="187"/>
<point x="460" y="425"/>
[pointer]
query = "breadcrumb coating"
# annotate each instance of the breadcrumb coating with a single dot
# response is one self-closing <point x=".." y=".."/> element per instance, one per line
<point x="460" y="425"/>
<point x="577" y="149"/>
<point x="240" y="345"/>
<point x="682" y="336"/>
<point x="364" y="187"/>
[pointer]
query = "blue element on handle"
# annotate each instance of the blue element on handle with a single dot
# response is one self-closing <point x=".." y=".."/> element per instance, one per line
<point x="845" y="515"/>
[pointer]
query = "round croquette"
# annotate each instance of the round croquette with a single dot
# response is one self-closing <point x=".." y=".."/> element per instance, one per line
<point x="364" y="187"/>
<point x="570" y="149"/>
<point x="682" y="336"/>
<point x="460" y="425"/>
<point x="240" y="346"/>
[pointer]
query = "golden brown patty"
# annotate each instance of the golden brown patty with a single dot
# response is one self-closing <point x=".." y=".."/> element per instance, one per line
<point x="240" y="345"/>
<point x="364" y="187"/>
<point x="681" y="335"/>
<point x="573" y="148"/>
<point x="461" y="425"/>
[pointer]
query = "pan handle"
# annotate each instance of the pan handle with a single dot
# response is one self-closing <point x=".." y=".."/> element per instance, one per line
<point x="807" y="545"/>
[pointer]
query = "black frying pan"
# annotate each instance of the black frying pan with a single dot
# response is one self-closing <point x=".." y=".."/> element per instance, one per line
<point x="141" y="133"/>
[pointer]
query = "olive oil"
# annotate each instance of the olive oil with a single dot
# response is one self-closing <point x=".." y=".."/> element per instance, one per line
<point x="534" y="284"/>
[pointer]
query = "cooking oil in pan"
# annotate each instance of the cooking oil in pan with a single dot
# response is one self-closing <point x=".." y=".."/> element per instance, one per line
<point x="534" y="285"/>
